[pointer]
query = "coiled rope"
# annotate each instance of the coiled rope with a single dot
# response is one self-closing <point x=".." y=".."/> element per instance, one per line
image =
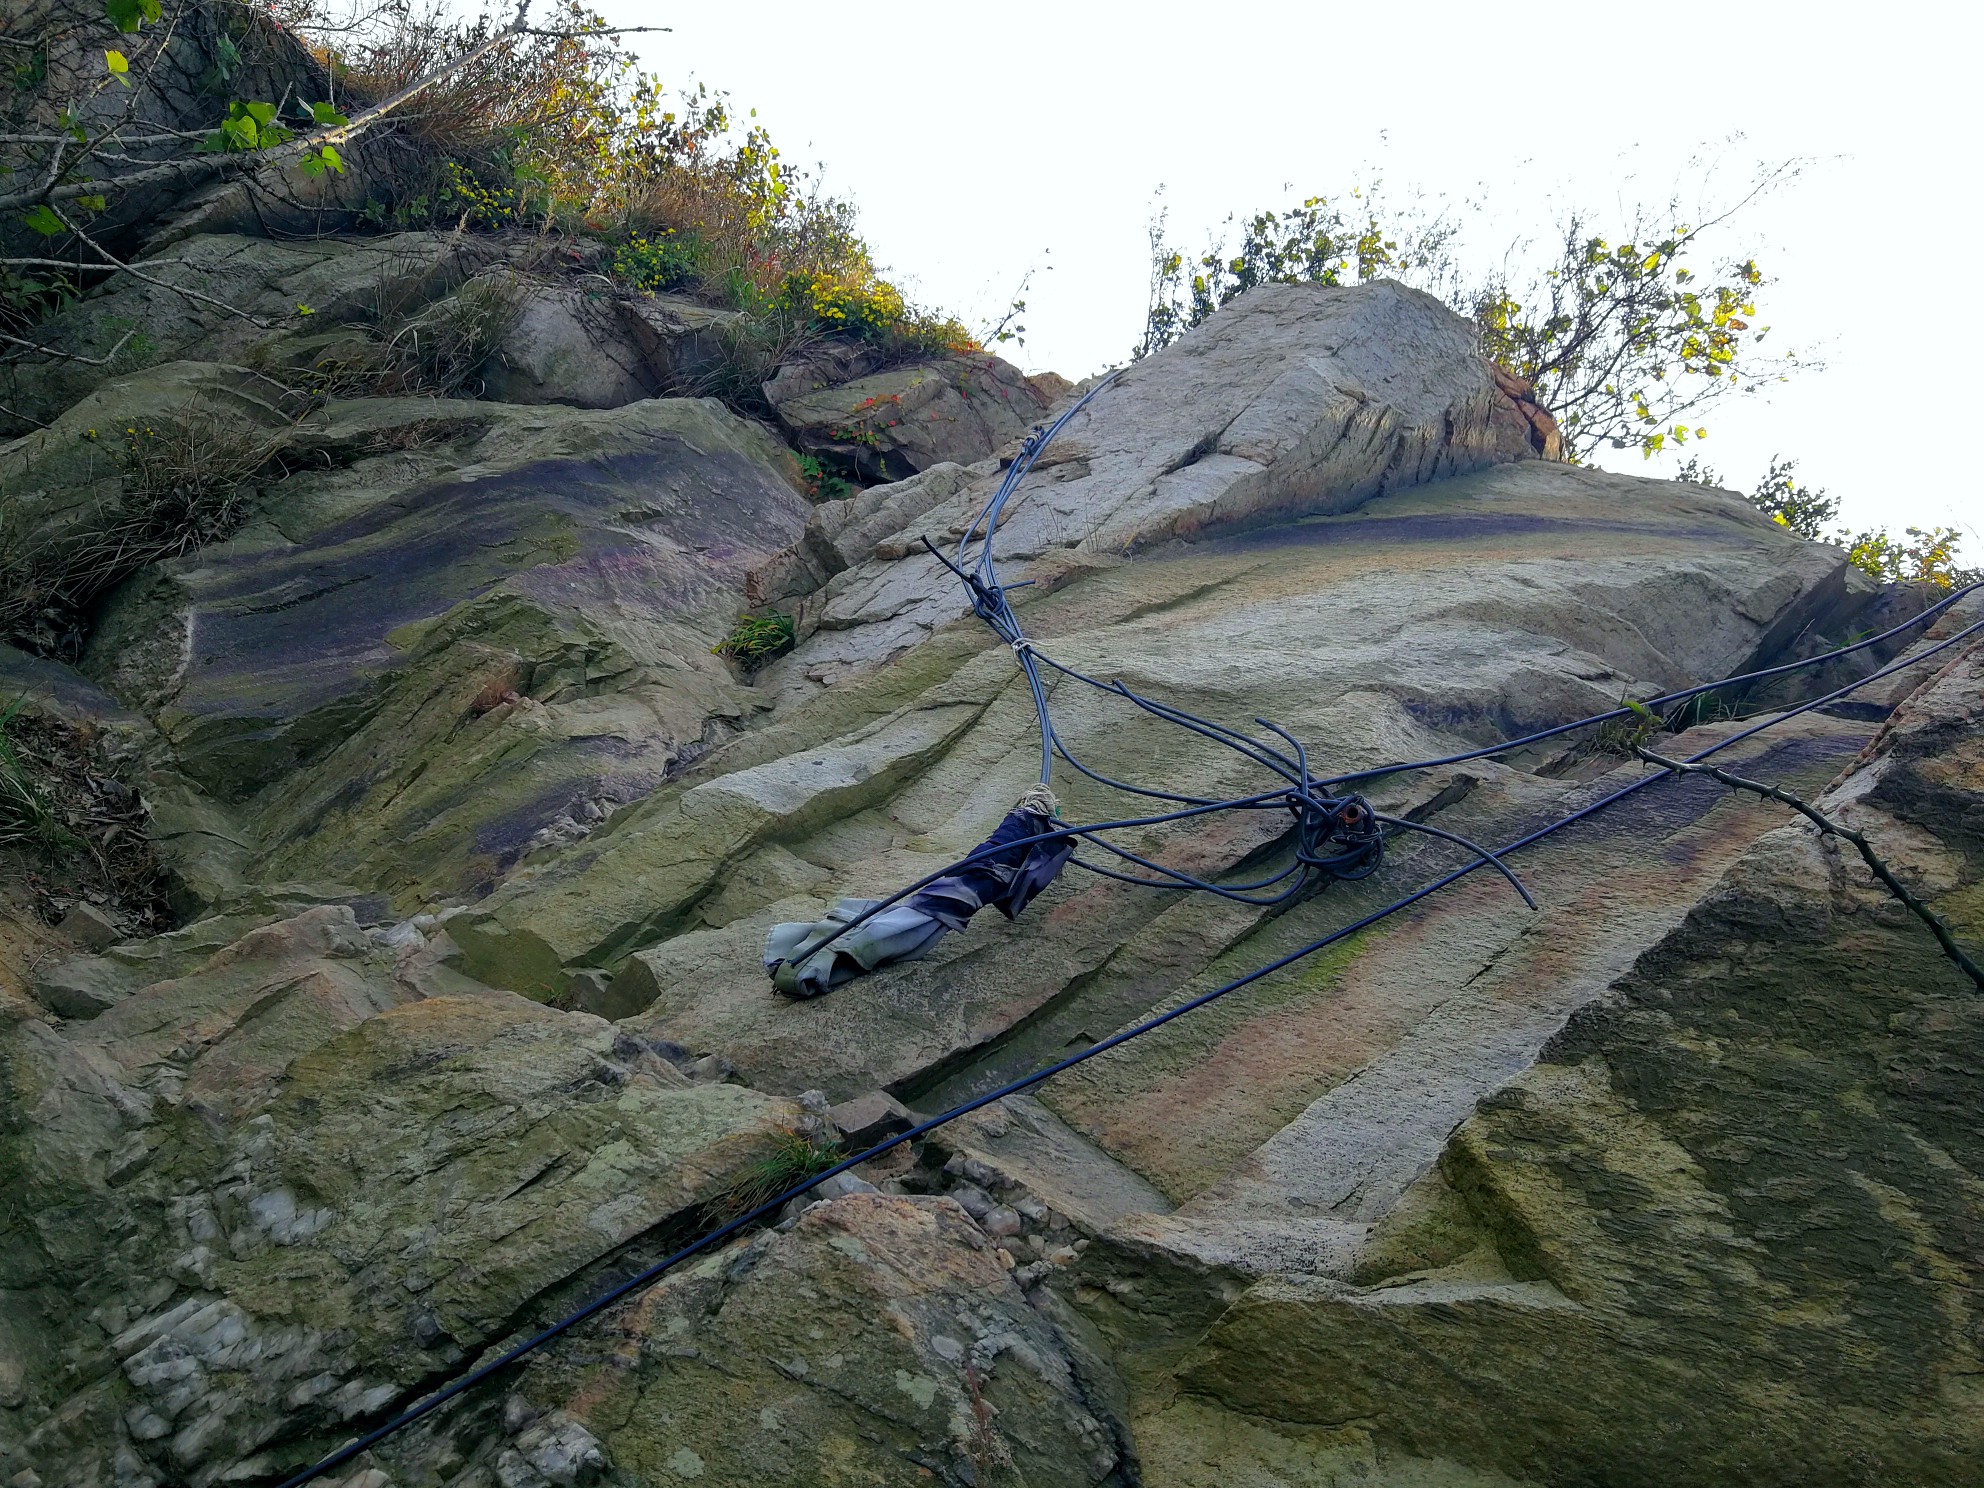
<point x="1336" y="837"/>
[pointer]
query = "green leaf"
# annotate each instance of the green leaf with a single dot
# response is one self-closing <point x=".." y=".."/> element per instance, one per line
<point x="328" y="116"/>
<point x="119" y="65"/>
<point x="128" y="15"/>
<point x="92" y="203"/>
<point x="263" y="114"/>
<point x="44" y="221"/>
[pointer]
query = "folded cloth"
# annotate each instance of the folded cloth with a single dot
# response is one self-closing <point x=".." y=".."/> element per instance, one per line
<point x="898" y="933"/>
<point x="1008" y="880"/>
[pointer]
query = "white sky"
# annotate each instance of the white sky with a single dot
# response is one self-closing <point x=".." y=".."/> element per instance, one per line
<point x="980" y="140"/>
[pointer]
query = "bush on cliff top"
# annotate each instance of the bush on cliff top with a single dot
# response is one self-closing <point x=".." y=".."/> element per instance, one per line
<point x="1922" y="556"/>
<point x="480" y="123"/>
<point x="567" y="133"/>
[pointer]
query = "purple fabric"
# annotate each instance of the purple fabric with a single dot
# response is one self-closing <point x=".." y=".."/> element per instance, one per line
<point x="1007" y="880"/>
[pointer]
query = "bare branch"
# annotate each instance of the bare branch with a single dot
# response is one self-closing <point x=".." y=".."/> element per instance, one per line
<point x="111" y="261"/>
<point x="192" y="166"/>
<point x="69" y="356"/>
<point x="1831" y="828"/>
<point x="23" y="417"/>
<point x="173" y="136"/>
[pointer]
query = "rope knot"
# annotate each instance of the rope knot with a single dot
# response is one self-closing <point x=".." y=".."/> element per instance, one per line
<point x="1039" y="800"/>
<point x="1337" y="836"/>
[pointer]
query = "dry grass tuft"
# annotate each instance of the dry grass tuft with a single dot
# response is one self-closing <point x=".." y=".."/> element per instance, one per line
<point x="435" y="351"/>
<point x="69" y="829"/>
<point x="186" y="482"/>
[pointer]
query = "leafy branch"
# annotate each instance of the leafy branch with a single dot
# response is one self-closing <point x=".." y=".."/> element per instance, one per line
<point x="1621" y="337"/>
<point x="1924" y="556"/>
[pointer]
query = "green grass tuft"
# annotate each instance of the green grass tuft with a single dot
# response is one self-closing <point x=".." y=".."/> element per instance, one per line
<point x="791" y="1157"/>
<point x="757" y="639"/>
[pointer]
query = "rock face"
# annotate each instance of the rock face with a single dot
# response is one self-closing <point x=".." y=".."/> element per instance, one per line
<point x="1673" y="1181"/>
<point x="880" y="1336"/>
<point x="540" y="589"/>
<point x="310" y="1111"/>
<point x="891" y="425"/>
<point x="1751" y="1160"/>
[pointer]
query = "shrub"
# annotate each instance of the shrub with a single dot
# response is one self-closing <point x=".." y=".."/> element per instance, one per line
<point x="1927" y="556"/>
<point x="568" y="133"/>
<point x="872" y="310"/>
<point x="823" y="481"/>
<point x="788" y="1158"/>
<point x="747" y="353"/>
<point x="436" y="350"/>
<point x="667" y="261"/>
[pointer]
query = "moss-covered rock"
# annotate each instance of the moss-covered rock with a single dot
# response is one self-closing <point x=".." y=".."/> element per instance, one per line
<point x="275" y="1194"/>
<point x="1736" y="1202"/>
<point x="880" y="1341"/>
<point x="478" y="638"/>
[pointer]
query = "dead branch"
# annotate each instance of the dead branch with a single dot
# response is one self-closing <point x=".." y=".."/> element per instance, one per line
<point x="25" y="418"/>
<point x="1828" y="827"/>
<point x="111" y="261"/>
<point x="69" y="356"/>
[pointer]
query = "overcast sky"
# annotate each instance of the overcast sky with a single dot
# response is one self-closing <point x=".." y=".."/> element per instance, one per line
<point x="978" y="141"/>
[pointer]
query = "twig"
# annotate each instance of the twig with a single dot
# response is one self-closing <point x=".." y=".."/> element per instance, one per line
<point x="170" y="137"/>
<point x="112" y="261"/>
<point x="1832" y="828"/>
<point x="69" y="356"/>
<point x="25" y="418"/>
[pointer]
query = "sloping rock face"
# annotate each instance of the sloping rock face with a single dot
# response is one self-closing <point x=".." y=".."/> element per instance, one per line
<point x="1671" y="1181"/>
<point x="535" y="592"/>
<point x="1752" y="1161"/>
